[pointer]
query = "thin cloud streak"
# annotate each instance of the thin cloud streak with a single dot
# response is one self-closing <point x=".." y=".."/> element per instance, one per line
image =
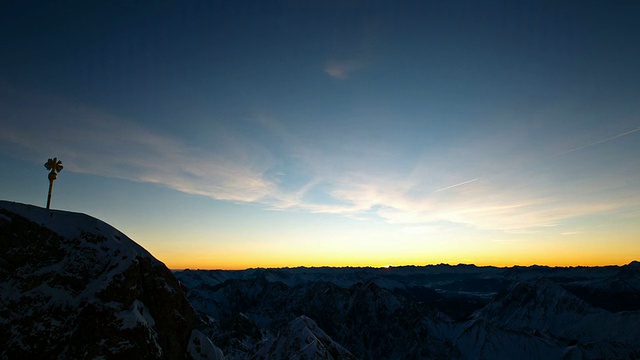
<point x="597" y="142"/>
<point x="456" y="185"/>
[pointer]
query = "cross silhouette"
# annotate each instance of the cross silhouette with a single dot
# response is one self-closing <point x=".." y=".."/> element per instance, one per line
<point x="55" y="166"/>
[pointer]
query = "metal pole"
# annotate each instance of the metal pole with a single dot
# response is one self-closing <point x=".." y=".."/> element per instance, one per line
<point x="49" y="195"/>
<point x="52" y="176"/>
<point x="55" y="166"/>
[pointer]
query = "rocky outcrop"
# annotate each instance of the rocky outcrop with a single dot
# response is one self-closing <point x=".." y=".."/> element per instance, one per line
<point x="73" y="287"/>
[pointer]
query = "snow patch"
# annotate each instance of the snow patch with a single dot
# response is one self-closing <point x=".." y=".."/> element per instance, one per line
<point x="136" y="314"/>
<point x="201" y="348"/>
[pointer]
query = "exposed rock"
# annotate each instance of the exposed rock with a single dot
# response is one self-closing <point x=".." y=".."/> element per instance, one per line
<point x="73" y="287"/>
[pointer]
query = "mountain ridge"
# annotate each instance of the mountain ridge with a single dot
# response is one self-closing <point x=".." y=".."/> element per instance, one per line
<point x="72" y="286"/>
<point x="427" y="312"/>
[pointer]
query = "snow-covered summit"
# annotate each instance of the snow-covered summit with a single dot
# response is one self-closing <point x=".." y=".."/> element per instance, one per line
<point x="72" y="286"/>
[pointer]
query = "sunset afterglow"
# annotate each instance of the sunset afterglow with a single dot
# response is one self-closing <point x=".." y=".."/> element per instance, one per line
<point x="280" y="134"/>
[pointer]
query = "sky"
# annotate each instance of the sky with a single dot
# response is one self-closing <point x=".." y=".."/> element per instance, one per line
<point x="242" y="134"/>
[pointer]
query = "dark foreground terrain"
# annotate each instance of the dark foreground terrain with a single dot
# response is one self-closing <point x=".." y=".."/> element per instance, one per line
<point x="73" y="287"/>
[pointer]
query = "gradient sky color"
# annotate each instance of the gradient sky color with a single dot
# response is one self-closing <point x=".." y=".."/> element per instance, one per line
<point x="235" y="134"/>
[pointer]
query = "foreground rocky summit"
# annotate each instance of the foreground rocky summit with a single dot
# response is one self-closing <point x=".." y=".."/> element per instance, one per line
<point x="73" y="287"/>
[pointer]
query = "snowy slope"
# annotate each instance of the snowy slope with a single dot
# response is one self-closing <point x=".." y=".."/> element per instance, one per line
<point x="71" y="286"/>
<point x="545" y="306"/>
<point x="303" y="339"/>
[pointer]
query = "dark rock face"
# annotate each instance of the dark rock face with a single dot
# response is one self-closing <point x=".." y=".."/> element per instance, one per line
<point x="72" y="287"/>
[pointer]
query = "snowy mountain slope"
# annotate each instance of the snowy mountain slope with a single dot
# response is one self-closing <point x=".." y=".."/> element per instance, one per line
<point x="545" y="306"/>
<point x="73" y="287"/>
<point x="481" y="340"/>
<point x="302" y="339"/>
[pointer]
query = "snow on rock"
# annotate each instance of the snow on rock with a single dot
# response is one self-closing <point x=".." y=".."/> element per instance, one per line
<point x="201" y="348"/>
<point x="303" y="340"/>
<point x="136" y="315"/>
<point x="72" y="286"/>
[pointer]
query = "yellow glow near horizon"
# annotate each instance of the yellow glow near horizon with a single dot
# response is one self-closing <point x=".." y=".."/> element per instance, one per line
<point x="525" y="254"/>
<point x="378" y="245"/>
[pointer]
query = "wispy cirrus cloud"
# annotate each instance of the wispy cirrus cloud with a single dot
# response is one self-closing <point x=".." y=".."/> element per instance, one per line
<point x="489" y="208"/>
<point x="241" y="169"/>
<point x="513" y="193"/>
<point x="96" y="143"/>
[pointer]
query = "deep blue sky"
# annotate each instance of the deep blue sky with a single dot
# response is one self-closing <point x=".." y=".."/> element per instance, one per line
<point x="427" y="131"/>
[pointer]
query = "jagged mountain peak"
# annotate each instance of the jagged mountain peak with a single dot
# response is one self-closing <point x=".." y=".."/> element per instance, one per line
<point x="630" y="271"/>
<point x="303" y="339"/>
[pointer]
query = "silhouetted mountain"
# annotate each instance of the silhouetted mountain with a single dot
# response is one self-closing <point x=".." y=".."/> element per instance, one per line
<point x="73" y="287"/>
<point x="620" y="291"/>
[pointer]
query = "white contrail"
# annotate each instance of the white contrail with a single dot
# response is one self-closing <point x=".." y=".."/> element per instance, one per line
<point x="456" y="185"/>
<point x="558" y="154"/>
<point x="597" y="142"/>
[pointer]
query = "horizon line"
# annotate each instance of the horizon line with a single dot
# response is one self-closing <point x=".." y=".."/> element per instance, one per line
<point x="386" y="267"/>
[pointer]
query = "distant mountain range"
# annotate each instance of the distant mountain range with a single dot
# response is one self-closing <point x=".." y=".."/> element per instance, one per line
<point x="73" y="287"/>
<point x="430" y="312"/>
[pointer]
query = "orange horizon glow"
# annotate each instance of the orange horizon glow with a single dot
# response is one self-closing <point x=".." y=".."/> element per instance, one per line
<point x="376" y="266"/>
<point x="367" y="251"/>
<point x="244" y="264"/>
